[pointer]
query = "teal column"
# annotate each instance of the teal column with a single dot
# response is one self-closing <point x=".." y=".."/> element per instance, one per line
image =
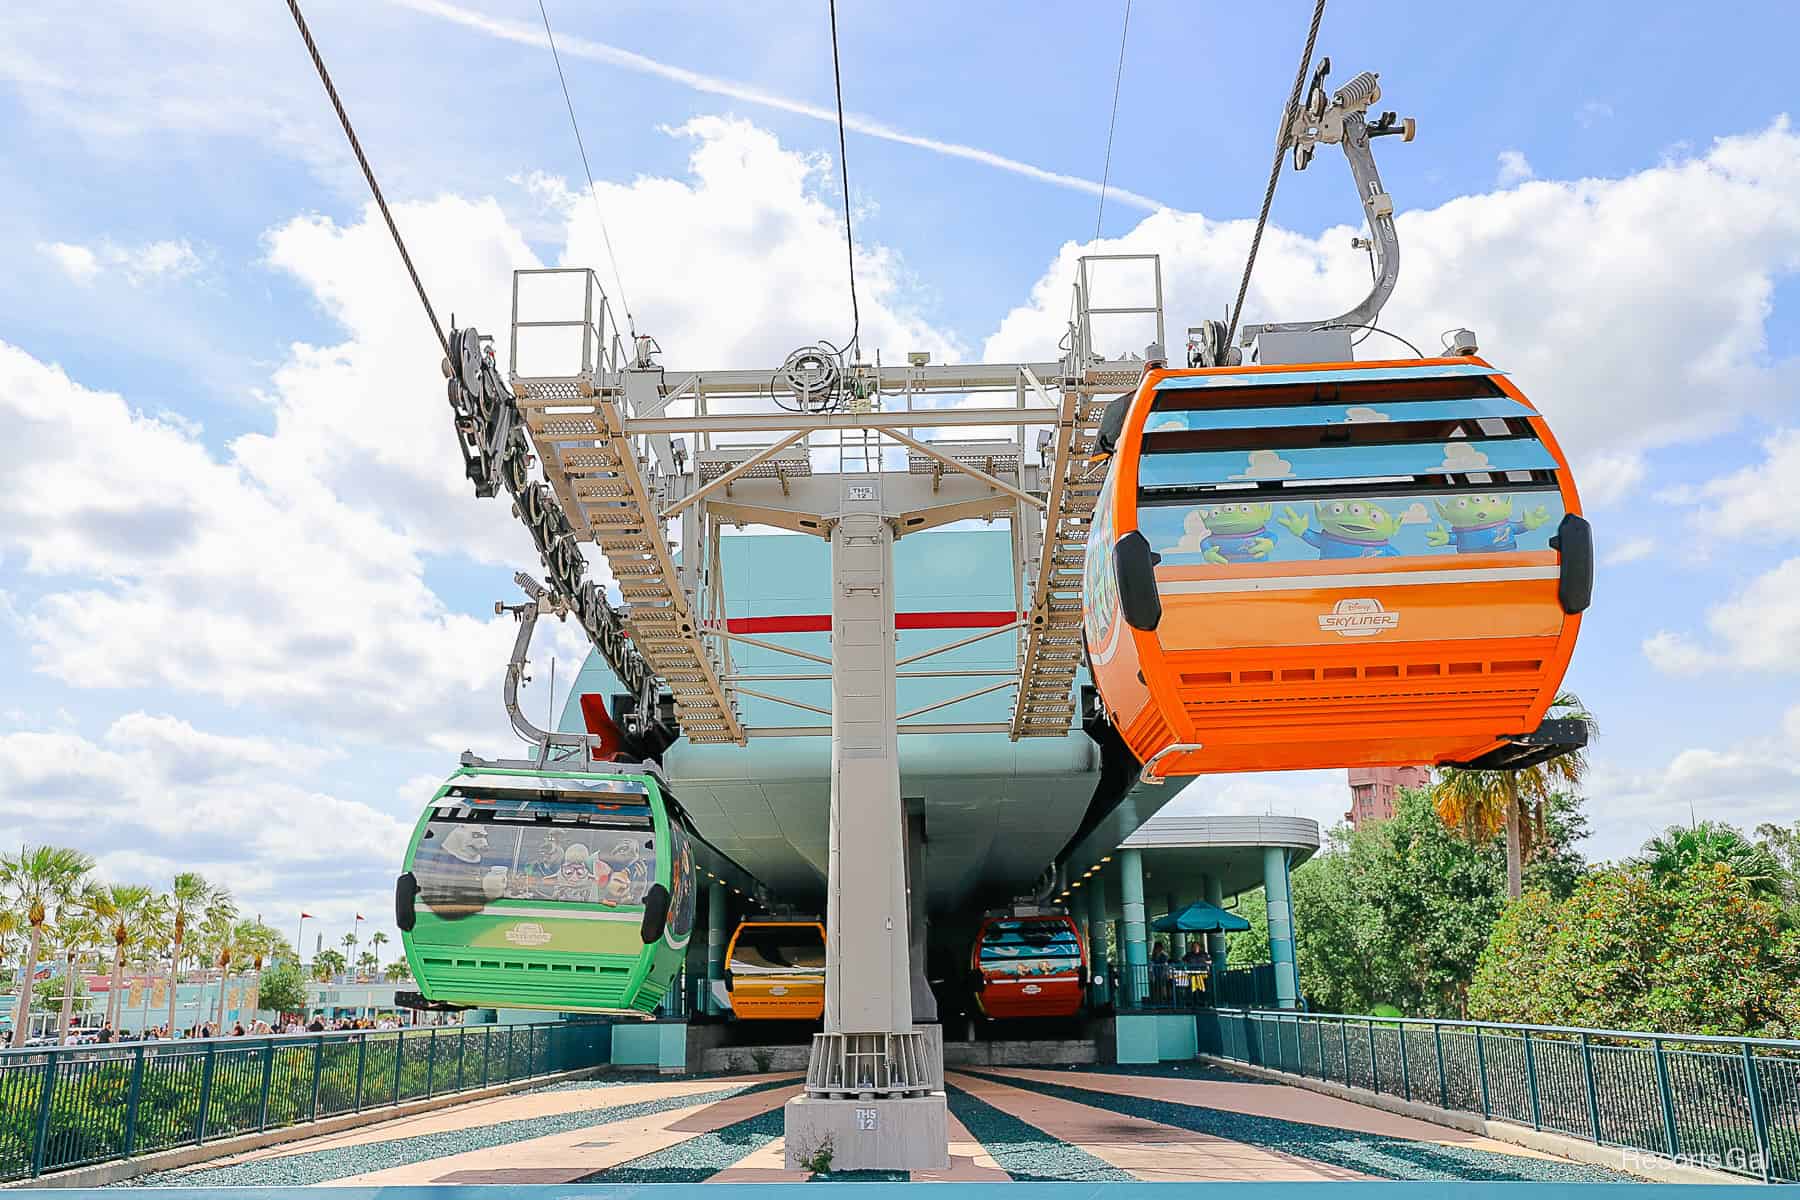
<point x="1281" y="925"/>
<point x="1096" y="899"/>
<point x="1177" y="939"/>
<point x="1214" y="889"/>
<point x="716" y="937"/>
<point x="1131" y="901"/>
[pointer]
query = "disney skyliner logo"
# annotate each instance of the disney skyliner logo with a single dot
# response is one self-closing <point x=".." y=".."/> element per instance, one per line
<point x="1358" y="618"/>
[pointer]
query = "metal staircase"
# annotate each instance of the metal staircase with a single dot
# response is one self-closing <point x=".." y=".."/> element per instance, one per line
<point x="593" y="465"/>
<point x="1045" y="705"/>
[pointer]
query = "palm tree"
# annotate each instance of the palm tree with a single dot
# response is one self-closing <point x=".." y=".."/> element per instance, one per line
<point x="9" y="936"/>
<point x="35" y="880"/>
<point x="120" y="906"/>
<point x="327" y="963"/>
<point x="1482" y="803"/>
<point x="79" y="931"/>
<point x="378" y="939"/>
<point x="368" y="966"/>
<point x="218" y="928"/>
<point x="190" y="894"/>
<point x="1672" y="852"/>
<point x="398" y="971"/>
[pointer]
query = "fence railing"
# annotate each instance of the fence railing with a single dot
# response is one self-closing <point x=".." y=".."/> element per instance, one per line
<point x="1173" y="987"/>
<point x="73" y="1106"/>
<point x="1732" y="1104"/>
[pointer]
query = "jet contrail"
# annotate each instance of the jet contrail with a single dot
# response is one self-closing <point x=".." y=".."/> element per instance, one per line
<point x="581" y="47"/>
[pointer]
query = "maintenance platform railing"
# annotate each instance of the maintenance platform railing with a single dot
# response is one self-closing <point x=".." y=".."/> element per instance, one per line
<point x="1728" y="1103"/>
<point x="73" y="1106"/>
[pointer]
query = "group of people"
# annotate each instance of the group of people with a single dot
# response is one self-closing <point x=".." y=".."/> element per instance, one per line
<point x="107" y="1035"/>
<point x="1193" y="967"/>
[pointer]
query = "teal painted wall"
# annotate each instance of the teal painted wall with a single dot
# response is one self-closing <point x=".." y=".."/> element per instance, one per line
<point x="660" y="1044"/>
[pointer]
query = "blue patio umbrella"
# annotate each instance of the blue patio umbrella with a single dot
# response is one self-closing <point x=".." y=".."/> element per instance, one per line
<point x="1200" y="917"/>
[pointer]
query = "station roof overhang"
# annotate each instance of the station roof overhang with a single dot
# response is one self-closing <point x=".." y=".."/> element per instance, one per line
<point x="1178" y="849"/>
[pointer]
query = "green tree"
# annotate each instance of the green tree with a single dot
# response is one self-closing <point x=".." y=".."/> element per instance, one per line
<point x="35" y="882"/>
<point x="282" y="989"/>
<point x="1670" y="853"/>
<point x="328" y="963"/>
<point x="398" y="971"/>
<point x="377" y="940"/>
<point x="1518" y="803"/>
<point x="1399" y="911"/>
<point x="79" y="932"/>
<point x="122" y="909"/>
<point x="189" y="896"/>
<point x="218" y="938"/>
<point x="1701" y="951"/>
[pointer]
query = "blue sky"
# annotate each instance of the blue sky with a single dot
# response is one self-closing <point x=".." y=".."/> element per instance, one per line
<point x="245" y="601"/>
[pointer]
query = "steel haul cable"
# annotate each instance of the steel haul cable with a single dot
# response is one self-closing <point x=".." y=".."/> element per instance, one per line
<point x="1281" y="145"/>
<point x="844" y="165"/>
<point x="1112" y="122"/>
<point x="624" y="301"/>
<point x="312" y="48"/>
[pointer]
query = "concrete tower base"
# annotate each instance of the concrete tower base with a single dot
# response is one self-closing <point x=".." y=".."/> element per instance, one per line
<point x="910" y="1134"/>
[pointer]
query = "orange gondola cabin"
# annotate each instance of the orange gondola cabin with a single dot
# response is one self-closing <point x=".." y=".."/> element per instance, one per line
<point x="1029" y="966"/>
<point x="1330" y="565"/>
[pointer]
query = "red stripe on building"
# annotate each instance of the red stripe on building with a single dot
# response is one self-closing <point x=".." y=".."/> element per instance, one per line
<point x="919" y="620"/>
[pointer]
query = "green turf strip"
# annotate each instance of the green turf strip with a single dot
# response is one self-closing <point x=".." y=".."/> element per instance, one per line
<point x="339" y="1162"/>
<point x="699" y="1158"/>
<point x="1026" y="1152"/>
<point x="1370" y="1153"/>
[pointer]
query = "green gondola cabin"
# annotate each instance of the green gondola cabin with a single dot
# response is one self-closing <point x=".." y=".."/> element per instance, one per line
<point x="569" y="892"/>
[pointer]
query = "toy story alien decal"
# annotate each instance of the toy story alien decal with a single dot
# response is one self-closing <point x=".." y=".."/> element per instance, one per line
<point x="1483" y="524"/>
<point x="1346" y="529"/>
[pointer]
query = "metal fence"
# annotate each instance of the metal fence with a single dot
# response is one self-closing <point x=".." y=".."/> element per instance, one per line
<point x="74" y="1106"/>
<point x="1173" y="987"/>
<point x="1732" y="1104"/>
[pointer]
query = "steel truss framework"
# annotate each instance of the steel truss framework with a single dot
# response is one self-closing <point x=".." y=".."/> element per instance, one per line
<point x="645" y="459"/>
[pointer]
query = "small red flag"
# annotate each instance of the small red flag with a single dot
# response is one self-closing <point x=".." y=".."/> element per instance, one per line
<point x="306" y="916"/>
<point x="360" y="917"/>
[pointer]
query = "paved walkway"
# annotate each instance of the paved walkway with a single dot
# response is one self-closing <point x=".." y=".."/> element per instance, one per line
<point x="1183" y="1124"/>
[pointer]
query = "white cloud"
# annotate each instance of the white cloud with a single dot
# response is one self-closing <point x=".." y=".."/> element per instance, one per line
<point x="1758" y="628"/>
<point x="1362" y="414"/>
<point x="1757" y="502"/>
<point x="1685" y="352"/>
<point x="154" y="784"/>
<point x="77" y="262"/>
<point x="149" y="262"/>
<point x="1746" y="784"/>
<point x="1193" y="532"/>
<point x="1592" y="112"/>
<point x="1628" y="551"/>
<point x="1460" y="458"/>
<point x="1514" y="168"/>
<point x="1266" y="464"/>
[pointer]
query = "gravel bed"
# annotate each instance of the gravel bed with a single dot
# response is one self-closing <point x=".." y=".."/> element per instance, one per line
<point x="1370" y="1153"/>
<point x="1026" y="1152"/>
<point x="338" y="1162"/>
<point x="699" y="1158"/>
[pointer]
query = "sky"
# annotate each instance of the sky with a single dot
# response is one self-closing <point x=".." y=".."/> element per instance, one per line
<point x="246" y="597"/>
